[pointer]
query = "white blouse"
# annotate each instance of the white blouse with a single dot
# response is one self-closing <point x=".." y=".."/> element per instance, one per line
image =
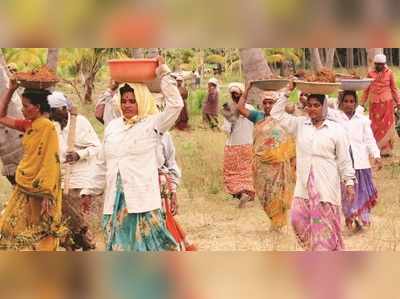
<point x="239" y="132"/>
<point x="362" y="140"/>
<point x="133" y="151"/>
<point x="325" y="150"/>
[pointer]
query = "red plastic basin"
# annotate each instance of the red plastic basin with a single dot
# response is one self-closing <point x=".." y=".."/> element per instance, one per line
<point x="132" y="70"/>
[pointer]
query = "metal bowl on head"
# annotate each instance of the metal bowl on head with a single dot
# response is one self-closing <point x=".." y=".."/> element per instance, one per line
<point x="355" y="84"/>
<point x="133" y="70"/>
<point x="317" y="87"/>
<point x="271" y="84"/>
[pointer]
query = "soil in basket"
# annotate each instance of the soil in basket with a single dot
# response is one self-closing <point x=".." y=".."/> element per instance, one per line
<point x="43" y="74"/>
<point x="324" y="75"/>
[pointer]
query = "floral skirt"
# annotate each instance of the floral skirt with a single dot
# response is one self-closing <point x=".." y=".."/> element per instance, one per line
<point x="315" y="223"/>
<point x="238" y="175"/>
<point x="136" y="231"/>
<point x="383" y="125"/>
<point x="274" y="184"/>
<point x="365" y="198"/>
<point x="24" y="226"/>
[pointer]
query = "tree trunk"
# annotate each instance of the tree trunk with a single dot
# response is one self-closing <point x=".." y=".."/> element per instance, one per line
<point x="316" y="63"/>
<point x="3" y="64"/>
<point x="371" y="52"/>
<point x="89" y="86"/>
<point x="254" y="67"/>
<point x="349" y="58"/>
<point x="52" y="59"/>
<point x="330" y="55"/>
<point x="398" y="52"/>
<point x="4" y="73"/>
<point x="338" y="59"/>
<point x="364" y="62"/>
<point x="152" y="52"/>
<point x="359" y="57"/>
<point x="137" y="53"/>
<point x="285" y="69"/>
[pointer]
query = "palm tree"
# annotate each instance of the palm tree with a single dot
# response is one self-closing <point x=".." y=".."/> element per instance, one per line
<point x="25" y="58"/>
<point x="83" y="64"/>
<point x="137" y="53"/>
<point x="330" y="56"/>
<point x="52" y="59"/>
<point x="326" y="61"/>
<point x="92" y="60"/>
<point x="254" y="64"/>
<point x="316" y="62"/>
<point x="254" y="67"/>
<point x="152" y="52"/>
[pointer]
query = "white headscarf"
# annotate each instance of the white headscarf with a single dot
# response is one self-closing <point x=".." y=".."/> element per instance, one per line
<point x="215" y="82"/>
<point x="236" y="87"/>
<point x="58" y="100"/>
<point x="273" y="95"/>
<point x="380" y="58"/>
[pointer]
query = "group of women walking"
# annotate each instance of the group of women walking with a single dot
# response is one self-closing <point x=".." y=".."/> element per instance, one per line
<point x="332" y="149"/>
<point x="138" y="205"/>
<point x="315" y="164"/>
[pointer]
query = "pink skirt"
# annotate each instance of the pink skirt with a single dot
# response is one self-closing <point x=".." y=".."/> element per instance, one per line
<point x="315" y="223"/>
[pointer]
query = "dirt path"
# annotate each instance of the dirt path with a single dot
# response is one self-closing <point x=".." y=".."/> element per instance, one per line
<point x="218" y="225"/>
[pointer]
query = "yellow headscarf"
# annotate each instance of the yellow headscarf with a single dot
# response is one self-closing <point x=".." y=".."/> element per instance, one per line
<point x="144" y="99"/>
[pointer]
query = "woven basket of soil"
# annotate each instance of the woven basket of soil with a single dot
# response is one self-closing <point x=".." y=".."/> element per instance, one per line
<point x="271" y="84"/>
<point x="41" y="78"/>
<point x="317" y="87"/>
<point x="37" y="84"/>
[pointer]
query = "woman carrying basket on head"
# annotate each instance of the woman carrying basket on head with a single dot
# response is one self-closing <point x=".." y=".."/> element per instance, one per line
<point x="31" y="219"/>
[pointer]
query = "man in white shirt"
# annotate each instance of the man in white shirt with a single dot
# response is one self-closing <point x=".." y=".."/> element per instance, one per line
<point x="77" y="205"/>
<point x="238" y="152"/>
<point x="10" y="140"/>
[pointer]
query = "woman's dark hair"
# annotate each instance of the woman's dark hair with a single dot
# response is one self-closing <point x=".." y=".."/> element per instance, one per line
<point x="38" y="97"/>
<point x="319" y="97"/>
<point x="345" y="93"/>
<point x="126" y="88"/>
